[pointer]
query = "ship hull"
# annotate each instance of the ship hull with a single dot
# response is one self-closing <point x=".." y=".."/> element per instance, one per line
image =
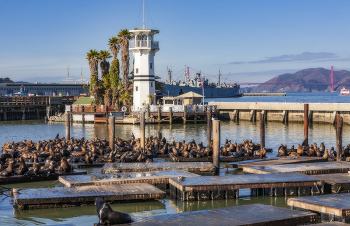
<point x="209" y="92"/>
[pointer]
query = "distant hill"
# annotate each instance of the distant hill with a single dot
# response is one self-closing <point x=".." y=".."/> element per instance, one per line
<point x="311" y="75"/>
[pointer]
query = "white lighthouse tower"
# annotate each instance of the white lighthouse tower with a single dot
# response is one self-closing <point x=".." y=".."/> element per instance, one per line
<point x="143" y="48"/>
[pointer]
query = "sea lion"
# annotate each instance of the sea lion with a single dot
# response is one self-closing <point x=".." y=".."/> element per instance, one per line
<point x="65" y="167"/>
<point x="9" y="170"/>
<point x="107" y="215"/>
<point x="22" y="167"/>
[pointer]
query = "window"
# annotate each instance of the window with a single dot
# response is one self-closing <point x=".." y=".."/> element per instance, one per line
<point x="150" y="65"/>
<point x="151" y="84"/>
<point x="137" y="70"/>
<point x="136" y="88"/>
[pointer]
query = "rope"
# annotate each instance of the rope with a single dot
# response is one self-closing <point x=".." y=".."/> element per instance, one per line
<point x="52" y="183"/>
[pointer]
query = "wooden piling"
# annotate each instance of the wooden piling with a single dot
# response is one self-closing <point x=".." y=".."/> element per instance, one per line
<point x="262" y="130"/>
<point x="159" y="114"/>
<point x="306" y="123"/>
<point x="216" y="145"/>
<point x="142" y="129"/>
<point x="170" y="115"/>
<point x="185" y="114"/>
<point x="111" y="132"/>
<point x="82" y="114"/>
<point x="67" y="125"/>
<point x="195" y="114"/>
<point x="209" y="125"/>
<point x="339" y="137"/>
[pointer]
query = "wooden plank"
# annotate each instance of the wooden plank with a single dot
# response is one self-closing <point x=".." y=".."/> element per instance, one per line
<point x="33" y="178"/>
<point x="244" y="182"/>
<point x="335" y="183"/>
<point x="81" y="165"/>
<point x="84" y="195"/>
<point x="305" y="168"/>
<point x="336" y="204"/>
<point x="253" y="215"/>
<point x="151" y="177"/>
<point x="275" y="161"/>
<point x="193" y="167"/>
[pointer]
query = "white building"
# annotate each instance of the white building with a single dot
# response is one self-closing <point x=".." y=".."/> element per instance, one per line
<point x="143" y="48"/>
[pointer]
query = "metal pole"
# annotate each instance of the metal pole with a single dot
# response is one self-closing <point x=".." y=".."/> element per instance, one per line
<point x="142" y="129"/>
<point x="209" y="125"/>
<point x="216" y="145"/>
<point x="306" y="124"/>
<point x="339" y="137"/>
<point x="111" y="132"/>
<point x="67" y="125"/>
<point x="262" y="130"/>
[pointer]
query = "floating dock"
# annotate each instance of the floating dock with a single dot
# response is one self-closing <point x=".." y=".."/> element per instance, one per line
<point x="157" y="178"/>
<point x="305" y="168"/>
<point x="275" y="161"/>
<point x="81" y="165"/>
<point x="210" y="159"/>
<point x="227" y="187"/>
<point x="329" y="224"/>
<point x="252" y="215"/>
<point x="40" y="198"/>
<point x="331" y="207"/>
<point x="335" y="183"/>
<point x="33" y="178"/>
<point x="201" y="168"/>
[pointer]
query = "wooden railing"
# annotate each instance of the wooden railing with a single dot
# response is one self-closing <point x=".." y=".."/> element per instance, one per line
<point x="34" y="100"/>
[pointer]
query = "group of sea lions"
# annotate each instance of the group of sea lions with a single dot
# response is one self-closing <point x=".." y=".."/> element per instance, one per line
<point x="312" y="151"/>
<point x="244" y="149"/>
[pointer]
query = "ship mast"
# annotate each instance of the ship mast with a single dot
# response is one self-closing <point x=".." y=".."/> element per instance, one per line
<point x="219" y="77"/>
<point x="169" y="74"/>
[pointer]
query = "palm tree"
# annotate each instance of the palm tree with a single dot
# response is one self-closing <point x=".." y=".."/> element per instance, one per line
<point x="114" y="46"/>
<point x="126" y="98"/>
<point x="123" y="38"/>
<point x="104" y="64"/>
<point x="92" y="57"/>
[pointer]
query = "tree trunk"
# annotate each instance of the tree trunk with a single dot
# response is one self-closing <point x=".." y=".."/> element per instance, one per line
<point x="124" y="44"/>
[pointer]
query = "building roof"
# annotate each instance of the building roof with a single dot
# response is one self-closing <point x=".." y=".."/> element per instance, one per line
<point x="84" y="101"/>
<point x="190" y="95"/>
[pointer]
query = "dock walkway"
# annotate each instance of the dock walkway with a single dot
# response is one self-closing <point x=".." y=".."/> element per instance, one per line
<point x="335" y="183"/>
<point x="252" y="215"/>
<point x="201" y="168"/>
<point x="157" y="178"/>
<point x="275" y="161"/>
<point x="305" y="168"/>
<point x="331" y="207"/>
<point x="227" y="187"/>
<point x="39" y="198"/>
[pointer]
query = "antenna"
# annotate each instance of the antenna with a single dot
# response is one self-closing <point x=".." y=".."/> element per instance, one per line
<point x="143" y="14"/>
<point x="169" y="74"/>
<point x="68" y="79"/>
<point x="219" y="77"/>
<point x="81" y="76"/>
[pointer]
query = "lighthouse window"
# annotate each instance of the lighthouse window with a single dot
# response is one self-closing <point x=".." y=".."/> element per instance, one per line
<point x="150" y="65"/>
<point x="137" y="70"/>
<point x="151" y="84"/>
<point x="136" y="88"/>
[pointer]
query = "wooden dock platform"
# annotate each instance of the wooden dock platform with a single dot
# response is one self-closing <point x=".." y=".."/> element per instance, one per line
<point x="252" y="215"/>
<point x="329" y="224"/>
<point x="305" y="168"/>
<point x="201" y="168"/>
<point x="227" y="187"/>
<point x="331" y="207"/>
<point x="275" y="161"/>
<point x="157" y="178"/>
<point x="33" y="178"/>
<point x="40" y="198"/>
<point x="81" y="165"/>
<point x="335" y="183"/>
<point x="210" y="159"/>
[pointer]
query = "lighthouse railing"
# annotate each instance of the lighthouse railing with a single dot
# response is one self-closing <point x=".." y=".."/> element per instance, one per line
<point x="144" y="44"/>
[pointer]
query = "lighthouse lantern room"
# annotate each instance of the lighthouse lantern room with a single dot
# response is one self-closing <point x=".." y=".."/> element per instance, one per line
<point x="144" y="49"/>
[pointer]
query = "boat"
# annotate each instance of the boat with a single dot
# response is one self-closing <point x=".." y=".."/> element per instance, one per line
<point x="200" y="85"/>
<point x="344" y="91"/>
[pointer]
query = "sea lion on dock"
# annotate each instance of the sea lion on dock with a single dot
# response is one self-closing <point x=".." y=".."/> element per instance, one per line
<point x="22" y="167"/>
<point x="9" y="170"/>
<point x="107" y="215"/>
<point x="65" y="167"/>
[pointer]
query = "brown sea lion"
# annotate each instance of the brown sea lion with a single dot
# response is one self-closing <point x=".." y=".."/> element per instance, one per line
<point x="9" y="170"/>
<point x="22" y="167"/>
<point x="107" y="215"/>
<point x="65" y="167"/>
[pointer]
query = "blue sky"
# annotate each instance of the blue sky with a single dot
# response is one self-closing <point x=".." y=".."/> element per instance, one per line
<point x="251" y="40"/>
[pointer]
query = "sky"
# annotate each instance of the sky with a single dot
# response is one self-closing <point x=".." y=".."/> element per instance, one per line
<point x="248" y="40"/>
